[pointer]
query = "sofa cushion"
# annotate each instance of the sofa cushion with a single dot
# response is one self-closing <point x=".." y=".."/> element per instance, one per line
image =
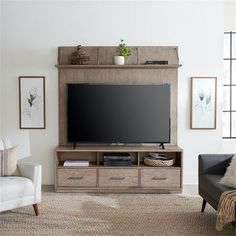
<point x="9" y="162"/>
<point x="229" y="178"/>
<point x="210" y="184"/>
<point x="15" y="187"/>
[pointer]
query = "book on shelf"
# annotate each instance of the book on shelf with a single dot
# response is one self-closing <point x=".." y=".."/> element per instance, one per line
<point x="76" y="163"/>
<point x="117" y="163"/>
<point x="117" y="157"/>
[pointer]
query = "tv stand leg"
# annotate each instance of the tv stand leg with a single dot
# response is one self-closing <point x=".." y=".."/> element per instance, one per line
<point x="74" y="145"/>
<point x="162" y="145"/>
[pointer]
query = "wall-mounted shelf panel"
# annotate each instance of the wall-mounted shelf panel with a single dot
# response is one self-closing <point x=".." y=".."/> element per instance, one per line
<point x="102" y="70"/>
<point x="118" y="66"/>
<point x="105" y="55"/>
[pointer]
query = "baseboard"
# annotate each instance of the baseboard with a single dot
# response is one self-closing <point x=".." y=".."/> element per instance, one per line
<point x="48" y="188"/>
<point x="190" y="189"/>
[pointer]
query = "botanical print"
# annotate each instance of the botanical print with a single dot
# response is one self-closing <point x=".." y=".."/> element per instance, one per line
<point x="32" y="102"/>
<point x="203" y="103"/>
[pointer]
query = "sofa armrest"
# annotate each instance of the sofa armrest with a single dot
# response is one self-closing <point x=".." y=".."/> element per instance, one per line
<point x="33" y="172"/>
<point x="213" y="163"/>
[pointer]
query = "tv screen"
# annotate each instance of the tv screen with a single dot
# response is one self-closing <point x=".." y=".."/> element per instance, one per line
<point x="118" y="113"/>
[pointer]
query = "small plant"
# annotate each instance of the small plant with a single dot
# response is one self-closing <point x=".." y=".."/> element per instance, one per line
<point x="32" y="97"/>
<point x="123" y="50"/>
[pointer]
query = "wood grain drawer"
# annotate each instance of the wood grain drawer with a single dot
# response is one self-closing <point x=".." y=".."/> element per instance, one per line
<point x="77" y="177"/>
<point x="160" y="177"/>
<point x="118" y="177"/>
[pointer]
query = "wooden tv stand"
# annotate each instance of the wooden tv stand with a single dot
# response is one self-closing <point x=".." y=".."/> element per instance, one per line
<point x="138" y="178"/>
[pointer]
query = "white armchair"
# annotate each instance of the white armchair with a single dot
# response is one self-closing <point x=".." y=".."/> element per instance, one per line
<point x="19" y="191"/>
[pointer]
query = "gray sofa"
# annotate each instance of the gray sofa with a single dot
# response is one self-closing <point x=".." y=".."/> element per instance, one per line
<point x="211" y="169"/>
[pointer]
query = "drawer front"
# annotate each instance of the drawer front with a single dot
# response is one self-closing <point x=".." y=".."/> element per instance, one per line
<point x="160" y="178"/>
<point x="118" y="177"/>
<point x="77" y="177"/>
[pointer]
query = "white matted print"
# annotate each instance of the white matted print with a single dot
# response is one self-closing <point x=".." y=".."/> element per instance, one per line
<point x="203" y="103"/>
<point x="32" y="102"/>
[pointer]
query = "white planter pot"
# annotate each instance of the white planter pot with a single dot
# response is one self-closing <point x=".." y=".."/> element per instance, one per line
<point x="119" y="60"/>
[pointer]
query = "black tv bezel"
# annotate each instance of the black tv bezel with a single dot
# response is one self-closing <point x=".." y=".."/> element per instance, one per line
<point x="76" y="142"/>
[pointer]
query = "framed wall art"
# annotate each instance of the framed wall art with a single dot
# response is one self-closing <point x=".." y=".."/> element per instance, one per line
<point x="32" y="102"/>
<point x="203" y="102"/>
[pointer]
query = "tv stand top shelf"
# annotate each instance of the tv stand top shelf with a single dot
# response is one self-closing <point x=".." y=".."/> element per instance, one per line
<point x="125" y="148"/>
<point x="135" y="66"/>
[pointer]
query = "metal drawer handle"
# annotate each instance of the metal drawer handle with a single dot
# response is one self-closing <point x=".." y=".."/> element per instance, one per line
<point x="117" y="178"/>
<point x="156" y="178"/>
<point x="75" y="177"/>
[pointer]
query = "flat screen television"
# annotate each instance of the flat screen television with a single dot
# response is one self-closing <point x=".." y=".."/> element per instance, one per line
<point x="98" y="113"/>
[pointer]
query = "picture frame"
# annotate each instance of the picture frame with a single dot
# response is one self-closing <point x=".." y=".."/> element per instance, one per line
<point x="32" y="102"/>
<point x="203" y="102"/>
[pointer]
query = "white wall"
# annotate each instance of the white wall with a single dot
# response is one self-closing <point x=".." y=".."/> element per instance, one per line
<point x="230" y="16"/>
<point x="0" y="69"/>
<point x="32" y="31"/>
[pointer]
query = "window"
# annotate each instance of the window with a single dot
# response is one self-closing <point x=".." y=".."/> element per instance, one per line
<point x="229" y="83"/>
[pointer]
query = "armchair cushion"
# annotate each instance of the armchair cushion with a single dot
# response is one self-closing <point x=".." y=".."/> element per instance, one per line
<point x="229" y="179"/>
<point x="210" y="184"/>
<point x="9" y="163"/>
<point x="15" y="188"/>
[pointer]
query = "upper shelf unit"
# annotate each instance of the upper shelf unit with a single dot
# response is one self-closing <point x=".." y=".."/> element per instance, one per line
<point x="102" y="57"/>
<point x="118" y="66"/>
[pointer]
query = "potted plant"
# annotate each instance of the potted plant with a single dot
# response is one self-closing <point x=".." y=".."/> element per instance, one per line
<point x="123" y="51"/>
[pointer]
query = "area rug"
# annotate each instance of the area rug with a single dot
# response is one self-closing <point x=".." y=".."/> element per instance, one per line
<point x="113" y="214"/>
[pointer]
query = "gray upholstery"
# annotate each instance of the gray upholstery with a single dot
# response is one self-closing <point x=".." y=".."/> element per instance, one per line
<point x="211" y="169"/>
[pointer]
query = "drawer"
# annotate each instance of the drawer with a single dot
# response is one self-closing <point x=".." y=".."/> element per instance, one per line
<point x="76" y="177"/>
<point x="160" y="177"/>
<point x="115" y="177"/>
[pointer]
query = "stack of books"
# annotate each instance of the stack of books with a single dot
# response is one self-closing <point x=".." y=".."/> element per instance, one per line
<point x="76" y="163"/>
<point x="117" y="159"/>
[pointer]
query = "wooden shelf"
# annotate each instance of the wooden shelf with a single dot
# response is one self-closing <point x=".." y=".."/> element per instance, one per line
<point x="143" y="165"/>
<point x="91" y="164"/>
<point x="118" y="66"/>
<point x="122" y="148"/>
<point x="97" y="177"/>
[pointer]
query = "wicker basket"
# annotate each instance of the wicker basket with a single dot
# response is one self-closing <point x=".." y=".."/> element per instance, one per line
<point x="150" y="162"/>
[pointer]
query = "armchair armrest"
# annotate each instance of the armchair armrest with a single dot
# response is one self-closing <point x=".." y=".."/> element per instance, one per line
<point x="33" y="172"/>
<point x="213" y="163"/>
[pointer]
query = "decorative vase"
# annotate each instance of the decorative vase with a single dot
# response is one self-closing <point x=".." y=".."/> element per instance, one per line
<point x="119" y="60"/>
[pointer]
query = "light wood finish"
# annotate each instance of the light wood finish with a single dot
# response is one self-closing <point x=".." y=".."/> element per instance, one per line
<point x="104" y="55"/>
<point x="102" y="71"/>
<point x="77" y="177"/>
<point x="136" y="178"/>
<point x="161" y="177"/>
<point x="121" y="148"/>
<point x="118" y="177"/>
<point x="117" y="66"/>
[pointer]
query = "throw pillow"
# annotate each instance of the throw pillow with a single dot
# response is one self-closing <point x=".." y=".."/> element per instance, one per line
<point x="1" y="145"/>
<point x="7" y="143"/>
<point x="9" y="163"/>
<point x="229" y="178"/>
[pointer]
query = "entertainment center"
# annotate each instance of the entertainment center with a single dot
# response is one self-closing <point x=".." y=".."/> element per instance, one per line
<point x="135" y="76"/>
